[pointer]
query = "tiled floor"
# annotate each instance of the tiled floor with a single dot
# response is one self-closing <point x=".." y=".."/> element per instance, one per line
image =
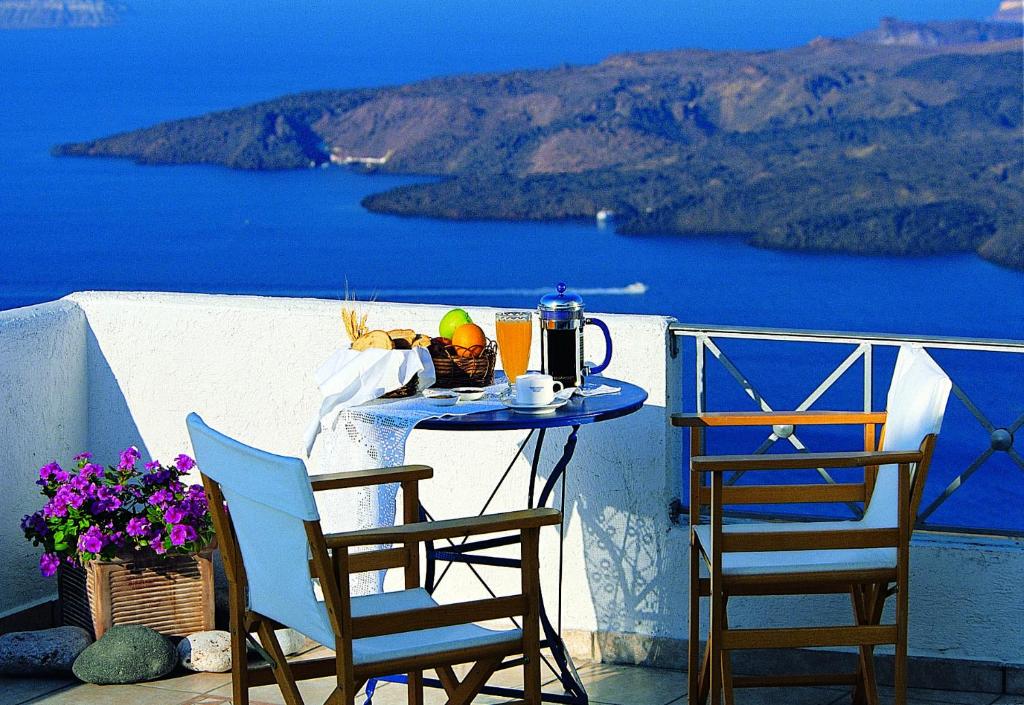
<point x="606" y="685"/>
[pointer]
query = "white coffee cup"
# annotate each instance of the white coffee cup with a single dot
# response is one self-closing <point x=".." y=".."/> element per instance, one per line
<point x="536" y="389"/>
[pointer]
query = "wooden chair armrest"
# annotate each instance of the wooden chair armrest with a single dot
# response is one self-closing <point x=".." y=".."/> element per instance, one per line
<point x="798" y="461"/>
<point x="771" y="418"/>
<point x="441" y="616"/>
<point x="447" y="528"/>
<point x="362" y="478"/>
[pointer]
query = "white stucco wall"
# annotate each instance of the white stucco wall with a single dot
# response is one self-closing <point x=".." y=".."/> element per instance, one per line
<point x="43" y="414"/>
<point x="133" y="365"/>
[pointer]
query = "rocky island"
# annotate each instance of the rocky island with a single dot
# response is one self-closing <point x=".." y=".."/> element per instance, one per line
<point x="904" y="140"/>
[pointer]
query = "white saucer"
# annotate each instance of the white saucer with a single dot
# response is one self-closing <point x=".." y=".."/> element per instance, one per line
<point x="535" y="409"/>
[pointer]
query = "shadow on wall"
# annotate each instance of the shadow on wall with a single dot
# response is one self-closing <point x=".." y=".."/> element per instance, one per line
<point x="112" y="428"/>
<point x="622" y="501"/>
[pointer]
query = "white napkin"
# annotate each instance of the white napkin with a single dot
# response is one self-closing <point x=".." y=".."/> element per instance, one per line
<point x="349" y="378"/>
<point x="598" y="390"/>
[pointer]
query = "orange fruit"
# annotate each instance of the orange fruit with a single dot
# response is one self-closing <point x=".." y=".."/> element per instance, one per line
<point x="469" y="340"/>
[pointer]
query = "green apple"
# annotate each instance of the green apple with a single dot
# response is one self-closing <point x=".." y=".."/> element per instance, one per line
<point x="452" y="320"/>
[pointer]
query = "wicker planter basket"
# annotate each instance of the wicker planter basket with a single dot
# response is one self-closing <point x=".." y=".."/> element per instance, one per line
<point x="173" y="595"/>
<point x="454" y="371"/>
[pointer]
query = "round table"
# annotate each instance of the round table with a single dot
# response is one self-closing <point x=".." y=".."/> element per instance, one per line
<point x="580" y="411"/>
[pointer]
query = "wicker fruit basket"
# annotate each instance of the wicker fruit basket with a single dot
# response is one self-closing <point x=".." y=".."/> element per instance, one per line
<point x="455" y="371"/>
<point x="173" y="595"/>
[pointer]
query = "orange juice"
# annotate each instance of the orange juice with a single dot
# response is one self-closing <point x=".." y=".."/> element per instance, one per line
<point x="514" y="331"/>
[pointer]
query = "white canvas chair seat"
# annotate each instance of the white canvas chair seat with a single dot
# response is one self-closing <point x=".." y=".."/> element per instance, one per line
<point x="405" y="644"/>
<point x="776" y="562"/>
<point x="422" y="642"/>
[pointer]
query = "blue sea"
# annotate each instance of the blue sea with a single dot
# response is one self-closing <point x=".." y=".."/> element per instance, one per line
<point x="73" y="224"/>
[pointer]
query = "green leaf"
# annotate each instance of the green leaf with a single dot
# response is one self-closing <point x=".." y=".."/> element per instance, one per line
<point x="60" y="546"/>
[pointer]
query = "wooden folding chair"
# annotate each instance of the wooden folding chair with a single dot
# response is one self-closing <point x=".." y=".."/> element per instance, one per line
<point x="274" y="549"/>
<point x="868" y="558"/>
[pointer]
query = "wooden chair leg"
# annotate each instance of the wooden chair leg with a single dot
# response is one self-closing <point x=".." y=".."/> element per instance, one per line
<point x="239" y="671"/>
<point x="704" y="675"/>
<point x="863" y="599"/>
<point x="446" y="674"/>
<point x="900" y="666"/>
<point x="239" y="651"/>
<point x="693" y="647"/>
<point x="282" y="671"/>
<point x="477" y="677"/>
<point x="856" y="596"/>
<point x="715" y="646"/>
<point x="726" y="658"/>
<point x="415" y="687"/>
<point x="531" y="620"/>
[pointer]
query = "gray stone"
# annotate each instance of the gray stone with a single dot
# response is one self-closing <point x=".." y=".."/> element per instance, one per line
<point x="127" y="653"/>
<point x="208" y="652"/>
<point x="291" y="641"/>
<point x="41" y="653"/>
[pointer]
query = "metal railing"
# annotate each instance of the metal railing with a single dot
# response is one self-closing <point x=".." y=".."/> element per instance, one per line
<point x="973" y="450"/>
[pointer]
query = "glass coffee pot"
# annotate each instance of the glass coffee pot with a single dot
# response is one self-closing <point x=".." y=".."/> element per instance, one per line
<point x="561" y="338"/>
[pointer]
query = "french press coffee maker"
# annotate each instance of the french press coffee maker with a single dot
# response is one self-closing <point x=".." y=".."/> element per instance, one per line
<point x="561" y="338"/>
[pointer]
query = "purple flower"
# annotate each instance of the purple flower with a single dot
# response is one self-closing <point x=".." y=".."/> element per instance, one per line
<point x="173" y="514"/>
<point x="137" y="526"/>
<point x="35" y="523"/>
<point x="153" y="465"/>
<point x="160" y="497"/>
<point x="156" y="478"/>
<point x="83" y="456"/>
<point x="106" y="501"/>
<point x="48" y="564"/>
<point x="128" y="458"/>
<point x="49" y="470"/>
<point x="91" y="541"/>
<point x="184" y="463"/>
<point x="156" y="542"/>
<point x="91" y="470"/>
<point x="182" y="533"/>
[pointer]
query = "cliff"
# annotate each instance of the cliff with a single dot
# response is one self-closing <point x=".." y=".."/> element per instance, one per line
<point x="839" y="145"/>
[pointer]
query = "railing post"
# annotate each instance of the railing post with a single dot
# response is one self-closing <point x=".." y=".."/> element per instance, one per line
<point x="868" y="371"/>
<point x="699" y="397"/>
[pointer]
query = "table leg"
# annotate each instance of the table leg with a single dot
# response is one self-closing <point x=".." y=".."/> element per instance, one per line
<point x="568" y="675"/>
<point x="463" y="552"/>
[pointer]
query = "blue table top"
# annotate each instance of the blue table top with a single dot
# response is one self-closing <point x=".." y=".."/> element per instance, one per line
<point x="577" y="412"/>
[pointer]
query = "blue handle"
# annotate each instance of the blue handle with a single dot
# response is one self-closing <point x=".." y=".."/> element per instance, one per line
<point x="608" y="345"/>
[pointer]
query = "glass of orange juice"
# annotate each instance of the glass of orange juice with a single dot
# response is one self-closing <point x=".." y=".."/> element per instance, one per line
<point x="514" y="330"/>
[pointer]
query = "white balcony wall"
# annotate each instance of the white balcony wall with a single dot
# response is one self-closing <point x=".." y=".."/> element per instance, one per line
<point x="102" y="371"/>
<point x="43" y="417"/>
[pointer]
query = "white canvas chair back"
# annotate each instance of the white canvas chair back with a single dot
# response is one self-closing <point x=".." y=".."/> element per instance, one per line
<point x="914" y="409"/>
<point x="268" y="497"/>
